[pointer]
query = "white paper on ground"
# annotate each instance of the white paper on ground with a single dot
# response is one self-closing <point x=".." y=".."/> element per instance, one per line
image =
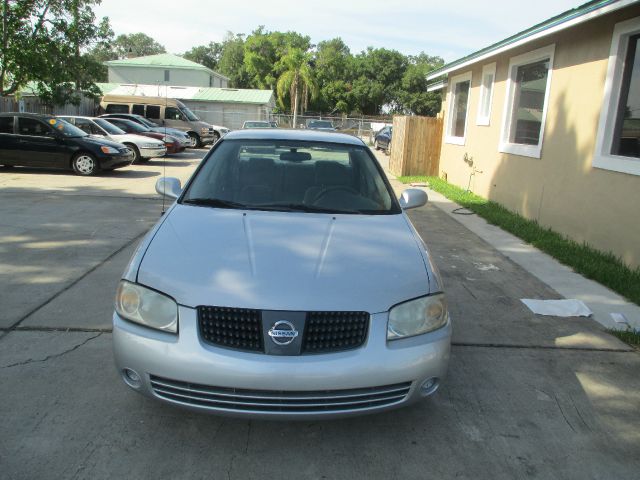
<point x="558" y="308"/>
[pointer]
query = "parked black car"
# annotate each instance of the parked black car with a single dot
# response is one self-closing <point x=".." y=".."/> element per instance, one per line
<point x="32" y="140"/>
<point x="382" y="139"/>
<point x="322" y="125"/>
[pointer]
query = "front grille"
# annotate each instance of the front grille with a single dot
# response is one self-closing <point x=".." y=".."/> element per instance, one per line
<point x="238" y="328"/>
<point x="241" y="329"/>
<point x="334" y="331"/>
<point x="230" y="399"/>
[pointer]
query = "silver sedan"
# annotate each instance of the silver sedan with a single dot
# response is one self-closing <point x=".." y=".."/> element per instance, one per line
<point x="285" y="281"/>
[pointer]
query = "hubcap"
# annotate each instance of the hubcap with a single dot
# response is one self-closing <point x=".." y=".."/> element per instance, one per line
<point x="85" y="164"/>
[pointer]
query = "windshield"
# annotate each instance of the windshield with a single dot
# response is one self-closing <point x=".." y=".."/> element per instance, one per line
<point x="110" y="128"/>
<point x="145" y="122"/>
<point x="292" y="176"/>
<point x="66" y="128"/>
<point x="129" y="125"/>
<point x="189" y="114"/>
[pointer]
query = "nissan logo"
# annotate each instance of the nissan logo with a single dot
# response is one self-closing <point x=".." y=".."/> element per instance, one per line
<point x="283" y="332"/>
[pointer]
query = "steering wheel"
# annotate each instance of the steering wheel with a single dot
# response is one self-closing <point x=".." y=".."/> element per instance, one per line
<point x="335" y="188"/>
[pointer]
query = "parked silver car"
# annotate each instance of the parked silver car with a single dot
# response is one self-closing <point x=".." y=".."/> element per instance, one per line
<point x="286" y="281"/>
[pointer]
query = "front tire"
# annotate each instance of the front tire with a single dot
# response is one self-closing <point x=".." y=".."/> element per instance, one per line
<point x="216" y="137"/>
<point x="85" y="164"/>
<point x="375" y="145"/>
<point x="136" y="153"/>
<point x="195" y="140"/>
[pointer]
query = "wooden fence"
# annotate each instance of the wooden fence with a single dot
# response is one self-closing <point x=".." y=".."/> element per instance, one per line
<point x="87" y="106"/>
<point x="415" y="148"/>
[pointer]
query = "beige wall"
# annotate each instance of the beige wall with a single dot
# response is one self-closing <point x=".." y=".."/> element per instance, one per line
<point x="561" y="189"/>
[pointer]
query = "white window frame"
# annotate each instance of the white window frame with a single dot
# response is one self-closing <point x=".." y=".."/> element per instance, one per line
<point x="505" y="146"/>
<point x="602" y="157"/>
<point x="489" y="69"/>
<point x="464" y="77"/>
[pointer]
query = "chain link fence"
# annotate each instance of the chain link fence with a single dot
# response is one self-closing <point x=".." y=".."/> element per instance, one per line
<point x="362" y="127"/>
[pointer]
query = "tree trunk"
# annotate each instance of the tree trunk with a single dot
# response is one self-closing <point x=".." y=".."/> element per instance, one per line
<point x="295" y="103"/>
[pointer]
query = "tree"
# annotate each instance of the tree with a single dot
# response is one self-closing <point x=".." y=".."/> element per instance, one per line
<point x="231" y="62"/>
<point x="413" y="96"/>
<point x="207" y="55"/>
<point x="297" y="79"/>
<point x="378" y="80"/>
<point x="43" y="41"/>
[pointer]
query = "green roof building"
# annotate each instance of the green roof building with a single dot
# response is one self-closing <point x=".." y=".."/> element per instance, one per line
<point x="164" y="69"/>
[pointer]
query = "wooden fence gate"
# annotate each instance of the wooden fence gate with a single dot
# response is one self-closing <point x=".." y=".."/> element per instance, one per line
<point x="415" y="148"/>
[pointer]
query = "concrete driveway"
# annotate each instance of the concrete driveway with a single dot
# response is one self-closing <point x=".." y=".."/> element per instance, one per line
<point x="526" y="396"/>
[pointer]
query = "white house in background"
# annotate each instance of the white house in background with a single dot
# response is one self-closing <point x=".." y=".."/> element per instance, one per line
<point x="164" y="69"/>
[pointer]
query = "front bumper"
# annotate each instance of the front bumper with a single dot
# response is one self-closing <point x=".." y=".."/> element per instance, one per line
<point x="214" y="373"/>
<point x="109" y="162"/>
<point x="153" y="152"/>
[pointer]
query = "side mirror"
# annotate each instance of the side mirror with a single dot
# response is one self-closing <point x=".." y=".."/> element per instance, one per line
<point x="169" y="187"/>
<point x="413" y="198"/>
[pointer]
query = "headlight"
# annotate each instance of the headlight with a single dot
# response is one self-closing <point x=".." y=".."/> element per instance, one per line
<point x="146" y="307"/>
<point x="204" y="130"/>
<point x="417" y="316"/>
<point x="109" y="150"/>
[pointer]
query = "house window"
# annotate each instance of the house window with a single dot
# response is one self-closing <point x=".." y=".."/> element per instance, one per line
<point x="486" y="94"/>
<point x="528" y="86"/>
<point x="618" y="139"/>
<point x="458" y="106"/>
<point x="166" y="75"/>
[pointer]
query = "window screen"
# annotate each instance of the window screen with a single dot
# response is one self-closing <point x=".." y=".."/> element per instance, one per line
<point x="531" y="87"/>
<point x="626" y="139"/>
<point x="460" y="102"/>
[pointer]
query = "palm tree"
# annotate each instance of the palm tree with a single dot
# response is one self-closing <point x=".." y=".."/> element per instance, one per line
<point x="297" y="79"/>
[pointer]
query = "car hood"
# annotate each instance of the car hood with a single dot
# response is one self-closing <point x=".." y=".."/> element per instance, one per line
<point x="99" y="141"/>
<point x="137" y="139"/>
<point x="284" y="261"/>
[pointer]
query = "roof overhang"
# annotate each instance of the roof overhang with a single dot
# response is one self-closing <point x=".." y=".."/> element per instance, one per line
<point x="567" y="20"/>
<point x="437" y="85"/>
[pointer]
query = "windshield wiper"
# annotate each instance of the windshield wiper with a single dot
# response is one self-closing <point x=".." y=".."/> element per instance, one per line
<point x="214" y="202"/>
<point x="297" y="207"/>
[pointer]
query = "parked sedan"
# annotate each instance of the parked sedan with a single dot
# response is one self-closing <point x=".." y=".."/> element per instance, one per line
<point x="172" y="144"/>
<point x="143" y="148"/>
<point x="382" y="139"/>
<point x="32" y="140"/>
<point x="181" y="136"/>
<point x="322" y="125"/>
<point x="286" y="281"/>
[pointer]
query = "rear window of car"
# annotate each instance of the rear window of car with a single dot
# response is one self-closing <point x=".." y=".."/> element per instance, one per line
<point x="6" y="124"/>
<point x="292" y="176"/>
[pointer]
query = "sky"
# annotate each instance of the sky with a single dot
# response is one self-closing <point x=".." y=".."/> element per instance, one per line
<point x="448" y="28"/>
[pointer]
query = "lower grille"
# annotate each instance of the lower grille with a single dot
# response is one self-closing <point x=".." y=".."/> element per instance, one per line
<point x="222" y="398"/>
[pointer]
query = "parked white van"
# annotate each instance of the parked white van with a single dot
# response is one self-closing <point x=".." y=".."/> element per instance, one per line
<point x="166" y="112"/>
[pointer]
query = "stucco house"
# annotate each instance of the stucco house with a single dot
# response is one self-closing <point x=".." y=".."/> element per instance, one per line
<point x="548" y="121"/>
<point x="165" y="69"/>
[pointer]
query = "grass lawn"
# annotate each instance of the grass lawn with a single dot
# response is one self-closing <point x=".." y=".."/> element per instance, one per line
<point x="627" y="336"/>
<point x="604" y="268"/>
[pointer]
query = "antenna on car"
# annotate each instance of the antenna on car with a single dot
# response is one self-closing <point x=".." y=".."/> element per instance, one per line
<point x="164" y="159"/>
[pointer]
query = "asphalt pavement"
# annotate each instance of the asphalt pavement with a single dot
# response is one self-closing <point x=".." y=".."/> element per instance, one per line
<point x="526" y="396"/>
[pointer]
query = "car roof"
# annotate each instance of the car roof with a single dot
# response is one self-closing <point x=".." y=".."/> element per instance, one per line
<point x="290" y="134"/>
<point x="24" y="114"/>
